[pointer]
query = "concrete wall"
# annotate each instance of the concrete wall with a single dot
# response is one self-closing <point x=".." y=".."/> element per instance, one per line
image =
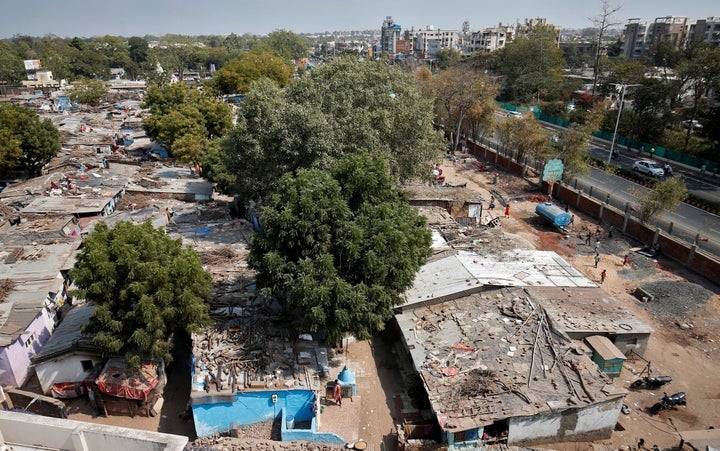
<point x="595" y="422"/>
<point x="252" y="407"/>
<point x="15" y="358"/>
<point x="63" y="369"/>
<point x="311" y="435"/>
<point x="56" y="433"/>
<point x="631" y="342"/>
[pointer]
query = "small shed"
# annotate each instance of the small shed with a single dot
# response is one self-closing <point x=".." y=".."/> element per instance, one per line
<point x="606" y="355"/>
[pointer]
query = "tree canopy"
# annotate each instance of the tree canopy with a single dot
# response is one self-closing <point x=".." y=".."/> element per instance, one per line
<point x="145" y="286"/>
<point x="340" y="247"/>
<point x="185" y="119"/>
<point x="88" y="91"/>
<point x="342" y="107"/>
<point x="664" y="197"/>
<point x="463" y="99"/>
<point x="25" y="140"/>
<point x="287" y="45"/>
<point x="237" y="74"/>
<point x="533" y="65"/>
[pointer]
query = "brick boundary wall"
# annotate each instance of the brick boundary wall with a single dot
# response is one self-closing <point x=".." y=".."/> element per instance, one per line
<point x="686" y="254"/>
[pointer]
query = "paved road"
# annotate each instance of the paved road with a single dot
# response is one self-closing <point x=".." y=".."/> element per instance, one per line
<point x="687" y="221"/>
<point x="702" y="187"/>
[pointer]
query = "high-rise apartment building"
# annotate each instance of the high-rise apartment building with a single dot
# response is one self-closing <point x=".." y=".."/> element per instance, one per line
<point x="389" y="34"/>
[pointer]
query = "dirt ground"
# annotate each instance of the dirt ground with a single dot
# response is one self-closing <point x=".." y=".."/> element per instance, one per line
<point x="686" y="332"/>
<point x="684" y="346"/>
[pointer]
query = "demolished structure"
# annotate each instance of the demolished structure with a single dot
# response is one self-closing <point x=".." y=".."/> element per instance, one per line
<point x="495" y="333"/>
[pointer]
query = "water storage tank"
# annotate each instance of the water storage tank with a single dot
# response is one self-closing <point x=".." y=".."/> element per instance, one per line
<point x="553" y="213"/>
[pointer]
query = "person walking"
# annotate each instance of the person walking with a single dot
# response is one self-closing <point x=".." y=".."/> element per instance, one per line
<point x="507" y="211"/>
<point x="652" y="152"/>
<point x="588" y="239"/>
<point x="626" y="260"/>
<point x="597" y="259"/>
<point x="597" y="246"/>
<point x="611" y="229"/>
<point x="603" y="275"/>
<point x="337" y="393"/>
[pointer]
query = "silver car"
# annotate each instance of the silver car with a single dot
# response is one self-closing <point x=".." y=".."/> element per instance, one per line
<point x="649" y="168"/>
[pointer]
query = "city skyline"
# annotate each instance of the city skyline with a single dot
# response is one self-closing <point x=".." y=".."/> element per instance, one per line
<point x="88" y="18"/>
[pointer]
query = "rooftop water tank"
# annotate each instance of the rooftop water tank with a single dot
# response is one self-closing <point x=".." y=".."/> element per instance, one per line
<point x="553" y="213"/>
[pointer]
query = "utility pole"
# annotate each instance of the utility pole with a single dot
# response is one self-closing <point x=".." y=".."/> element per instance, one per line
<point x="623" y="88"/>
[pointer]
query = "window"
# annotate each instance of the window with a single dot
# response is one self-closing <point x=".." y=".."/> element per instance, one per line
<point x="30" y="340"/>
<point x="87" y="365"/>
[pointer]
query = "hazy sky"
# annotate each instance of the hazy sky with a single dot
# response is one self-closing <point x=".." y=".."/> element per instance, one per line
<point x="86" y="18"/>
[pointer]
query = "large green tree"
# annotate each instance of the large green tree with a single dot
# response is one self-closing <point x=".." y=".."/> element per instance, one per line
<point x="145" y="286"/>
<point x="237" y="75"/>
<point x="185" y="119"/>
<point x="464" y="99"/>
<point x="533" y="65"/>
<point x="287" y="45"/>
<point x="11" y="65"/>
<point x="340" y="247"/>
<point x="87" y="91"/>
<point x="25" y="140"/>
<point x="342" y="107"/>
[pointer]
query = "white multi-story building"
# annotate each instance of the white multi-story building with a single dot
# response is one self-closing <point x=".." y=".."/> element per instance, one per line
<point x="428" y="41"/>
<point x="492" y="39"/>
<point x="489" y="39"/>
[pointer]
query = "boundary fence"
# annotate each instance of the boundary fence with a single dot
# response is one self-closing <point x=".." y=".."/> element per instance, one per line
<point x="687" y="247"/>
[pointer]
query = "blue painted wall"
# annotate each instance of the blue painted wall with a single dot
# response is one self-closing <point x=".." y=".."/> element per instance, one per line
<point x="289" y="435"/>
<point x="252" y="407"/>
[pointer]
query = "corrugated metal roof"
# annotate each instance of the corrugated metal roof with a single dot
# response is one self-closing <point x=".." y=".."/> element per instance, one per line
<point x="68" y="335"/>
<point x="67" y="205"/>
<point x="18" y="319"/>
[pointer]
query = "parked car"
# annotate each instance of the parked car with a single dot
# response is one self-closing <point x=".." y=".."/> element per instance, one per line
<point x="693" y="123"/>
<point x="514" y="114"/>
<point x="649" y="168"/>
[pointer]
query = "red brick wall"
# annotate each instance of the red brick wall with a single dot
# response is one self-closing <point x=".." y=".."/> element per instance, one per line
<point x="674" y="249"/>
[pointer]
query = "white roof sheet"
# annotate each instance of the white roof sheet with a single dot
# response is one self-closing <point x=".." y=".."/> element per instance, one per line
<point x="467" y="272"/>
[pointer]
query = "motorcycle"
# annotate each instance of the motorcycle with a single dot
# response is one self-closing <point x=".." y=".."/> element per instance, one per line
<point x="670" y="402"/>
<point x="651" y="382"/>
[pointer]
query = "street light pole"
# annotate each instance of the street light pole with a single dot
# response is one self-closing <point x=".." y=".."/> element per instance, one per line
<point x="617" y="122"/>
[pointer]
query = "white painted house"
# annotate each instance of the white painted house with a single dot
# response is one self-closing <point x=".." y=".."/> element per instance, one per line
<point x="69" y="357"/>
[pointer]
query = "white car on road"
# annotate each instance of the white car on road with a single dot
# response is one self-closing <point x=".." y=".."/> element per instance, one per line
<point x="649" y="168"/>
<point x="515" y="114"/>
